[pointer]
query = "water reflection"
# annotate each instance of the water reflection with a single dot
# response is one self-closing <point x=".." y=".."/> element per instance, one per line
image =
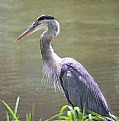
<point x="89" y="33"/>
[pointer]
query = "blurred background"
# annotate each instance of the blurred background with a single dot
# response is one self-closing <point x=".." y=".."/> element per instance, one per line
<point x="89" y="33"/>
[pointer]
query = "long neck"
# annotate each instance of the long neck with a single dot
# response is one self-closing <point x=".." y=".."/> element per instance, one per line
<point x="46" y="49"/>
<point x="51" y="61"/>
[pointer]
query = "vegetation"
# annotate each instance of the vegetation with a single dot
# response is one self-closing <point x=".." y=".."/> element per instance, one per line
<point x="67" y="113"/>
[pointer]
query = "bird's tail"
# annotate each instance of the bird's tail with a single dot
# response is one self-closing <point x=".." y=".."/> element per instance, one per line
<point x="112" y="117"/>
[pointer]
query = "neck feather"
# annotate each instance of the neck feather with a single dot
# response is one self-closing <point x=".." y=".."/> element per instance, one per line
<point x="46" y="49"/>
<point x="51" y="61"/>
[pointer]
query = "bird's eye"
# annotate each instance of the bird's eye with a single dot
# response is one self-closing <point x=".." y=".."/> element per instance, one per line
<point x="35" y="23"/>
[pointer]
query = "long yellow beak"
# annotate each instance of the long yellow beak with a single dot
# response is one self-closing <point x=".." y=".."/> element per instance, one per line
<point x="29" y="31"/>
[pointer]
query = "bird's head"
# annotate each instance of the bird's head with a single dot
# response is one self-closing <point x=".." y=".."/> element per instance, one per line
<point x="49" y="23"/>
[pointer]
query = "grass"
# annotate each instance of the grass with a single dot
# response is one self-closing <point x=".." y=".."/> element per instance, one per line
<point x="67" y="113"/>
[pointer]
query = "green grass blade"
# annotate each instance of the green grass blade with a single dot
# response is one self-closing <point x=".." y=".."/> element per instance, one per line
<point x="10" y="110"/>
<point x="40" y="119"/>
<point x="117" y="118"/>
<point x="29" y="114"/>
<point x="50" y="119"/>
<point x="65" y="118"/>
<point x="79" y="114"/>
<point x="16" y="106"/>
<point x="90" y="117"/>
<point x="72" y="111"/>
<point x="83" y="115"/>
<point x="63" y="108"/>
<point x="28" y="117"/>
<point x="33" y="110"/>
<point x="69" y="114"/>
<point x="7" y="116"/>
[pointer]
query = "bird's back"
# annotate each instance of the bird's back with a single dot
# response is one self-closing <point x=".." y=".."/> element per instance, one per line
<point x="80" y="89"/>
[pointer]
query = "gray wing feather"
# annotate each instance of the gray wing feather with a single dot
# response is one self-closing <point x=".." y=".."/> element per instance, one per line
<point x="80" y="90"/>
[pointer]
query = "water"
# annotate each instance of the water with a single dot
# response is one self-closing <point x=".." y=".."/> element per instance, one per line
<point x="89" y="34"/>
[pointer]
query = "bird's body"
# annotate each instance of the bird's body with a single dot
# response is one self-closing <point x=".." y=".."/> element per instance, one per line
<point x="79" y="87"/>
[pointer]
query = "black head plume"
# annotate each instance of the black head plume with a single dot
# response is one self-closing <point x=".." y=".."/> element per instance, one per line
<point x="45" y="17"/>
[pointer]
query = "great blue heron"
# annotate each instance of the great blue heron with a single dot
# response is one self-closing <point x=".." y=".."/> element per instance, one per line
<point x="79" y="87"/>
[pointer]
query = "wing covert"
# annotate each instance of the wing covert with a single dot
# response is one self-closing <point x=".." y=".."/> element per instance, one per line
<point x="80" y="90"/>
